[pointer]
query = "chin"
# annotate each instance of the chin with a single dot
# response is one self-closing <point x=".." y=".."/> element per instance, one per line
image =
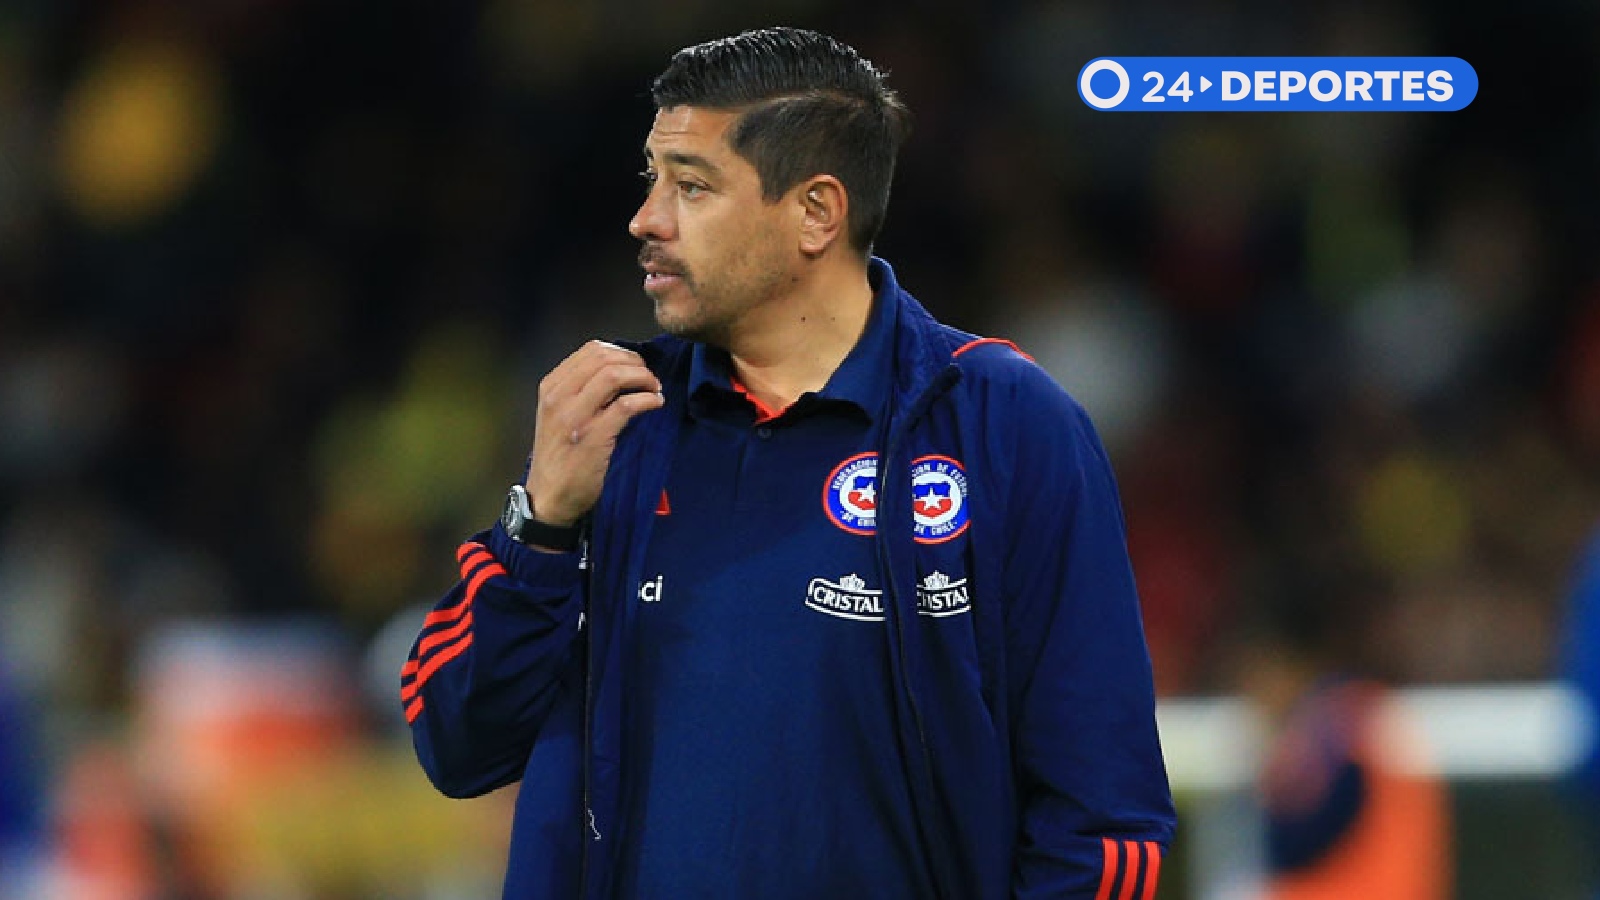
<point x="680" y="313"/>
<point x="669" y="316"/>
<point x="689" y="331"/>
<point x="696" y="330"/>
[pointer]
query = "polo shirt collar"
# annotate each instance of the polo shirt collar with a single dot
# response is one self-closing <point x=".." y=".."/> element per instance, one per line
<point x="862" y="380"/>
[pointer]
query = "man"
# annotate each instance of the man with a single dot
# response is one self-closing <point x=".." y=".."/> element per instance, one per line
<point x="1346" y="809"/>
<point x="723" y="655"/>
<point x="1580" y="669"/>
<point x="21" y="803"/>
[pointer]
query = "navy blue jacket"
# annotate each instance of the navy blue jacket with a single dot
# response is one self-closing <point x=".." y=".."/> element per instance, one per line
<point x="1029" y="739"/>
<point x="1580" y="666"/>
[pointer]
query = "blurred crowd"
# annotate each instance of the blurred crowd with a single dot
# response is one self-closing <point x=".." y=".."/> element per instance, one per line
<point x="278" y="280"/>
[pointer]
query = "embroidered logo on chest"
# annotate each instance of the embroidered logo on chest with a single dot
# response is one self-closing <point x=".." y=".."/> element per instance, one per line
<point x="938" y="596"/>
<point x="938" y="499"/>
<point x="850" y="495"/>
<point x="847" y="598"/>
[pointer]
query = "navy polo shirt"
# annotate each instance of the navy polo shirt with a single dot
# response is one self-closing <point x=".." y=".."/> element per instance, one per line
<point x="762" y="759"/>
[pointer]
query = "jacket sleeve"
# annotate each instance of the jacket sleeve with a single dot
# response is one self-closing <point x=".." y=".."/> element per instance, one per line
<point x="1096" y="810"/>
<point x="1580" y="666"/>
<point x="490" y="660"/>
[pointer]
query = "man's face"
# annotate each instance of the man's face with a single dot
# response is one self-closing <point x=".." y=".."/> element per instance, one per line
<point x="713" y="248"/>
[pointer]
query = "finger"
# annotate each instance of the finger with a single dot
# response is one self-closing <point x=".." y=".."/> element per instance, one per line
<point x="607" y="384"/>
<point x="595" y="355"/>
<point x="579" y="367"/>
<point x="611" y="420"/>
<point x="566" y="418"/>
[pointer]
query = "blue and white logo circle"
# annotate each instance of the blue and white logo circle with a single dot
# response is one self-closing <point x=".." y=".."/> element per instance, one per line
<point x="850" y="495"/>
<point x="938" y="499"/>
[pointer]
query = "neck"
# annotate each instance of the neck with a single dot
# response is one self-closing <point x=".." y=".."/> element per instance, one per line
<point x="794" y="345"/>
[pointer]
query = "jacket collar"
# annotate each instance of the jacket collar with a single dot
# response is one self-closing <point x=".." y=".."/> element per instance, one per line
<point x="864" y="379"/>
<point x="923" y="350"/>
<point x="918" y="349"/>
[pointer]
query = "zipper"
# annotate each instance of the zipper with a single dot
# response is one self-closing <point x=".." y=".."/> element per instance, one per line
<point x="905" y="678"/>
<point x="591" y="832"/>
<point x="588" y="714"/>
<point x="942" y="383"/>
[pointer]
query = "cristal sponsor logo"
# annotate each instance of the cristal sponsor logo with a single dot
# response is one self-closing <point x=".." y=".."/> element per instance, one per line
<point x="938" y="596"/>
<point x="650" y="591"/>
<point x="847" y="598"/>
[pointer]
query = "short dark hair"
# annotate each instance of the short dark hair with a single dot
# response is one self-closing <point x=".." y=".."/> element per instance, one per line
<point x="811" y="105"/>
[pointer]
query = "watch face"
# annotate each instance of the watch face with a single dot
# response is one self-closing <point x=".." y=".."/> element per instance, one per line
<point x="512" y="517"/>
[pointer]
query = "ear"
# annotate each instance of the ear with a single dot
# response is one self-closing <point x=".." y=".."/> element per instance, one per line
<point x="825" y="212"/>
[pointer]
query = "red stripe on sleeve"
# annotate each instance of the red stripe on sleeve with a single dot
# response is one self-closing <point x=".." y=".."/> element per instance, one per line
<point x="413" y="710"/>
<point x="462" y="629"/>
<point x="448" y="614"/>
<point x="452" y="613"/>
<point x="1108" y="875"/>
<point x="1152" y="873"/>
<point x="469" y="548"/>
<point x="474" y="560"/>
<point x="421" y="669"/>
<point x="434" y="640"/>
<point x="437" y="662"/>
<point x="1131" y="873"/>
<point x="483" y="575"/>
<point x="981" y="341"/>
<point x="444" y="636"/>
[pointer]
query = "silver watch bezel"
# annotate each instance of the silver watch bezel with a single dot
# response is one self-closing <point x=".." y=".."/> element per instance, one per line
<point x="519" y="511"/>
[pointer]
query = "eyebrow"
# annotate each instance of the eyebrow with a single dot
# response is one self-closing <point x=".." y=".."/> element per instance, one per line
<point x="687" y="160"/>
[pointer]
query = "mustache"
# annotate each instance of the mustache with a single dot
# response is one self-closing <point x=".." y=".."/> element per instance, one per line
<point x="653" y="255"/>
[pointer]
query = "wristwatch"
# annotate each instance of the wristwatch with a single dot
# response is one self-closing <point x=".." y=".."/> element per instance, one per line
<point x="525" y="529"/>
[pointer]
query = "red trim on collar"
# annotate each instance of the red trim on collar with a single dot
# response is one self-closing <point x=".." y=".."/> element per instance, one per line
<point x="764" y="413"/>
<point x="970" y="344"/>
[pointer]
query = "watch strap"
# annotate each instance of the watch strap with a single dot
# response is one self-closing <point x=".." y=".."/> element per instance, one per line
<point x="521" y="525"/>
<point x="551" y="537"/>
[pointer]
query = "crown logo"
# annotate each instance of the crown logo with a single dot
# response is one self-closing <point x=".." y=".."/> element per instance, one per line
<point x="852" y="582"/>
<point x="936" y="581"/>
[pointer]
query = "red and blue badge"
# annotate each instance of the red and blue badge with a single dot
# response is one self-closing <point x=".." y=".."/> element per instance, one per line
<point x="938" y="499"/>
<point x="850" y="495"/>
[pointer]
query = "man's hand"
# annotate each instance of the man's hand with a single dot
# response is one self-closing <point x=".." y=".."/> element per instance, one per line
<point x="583" y="405"/>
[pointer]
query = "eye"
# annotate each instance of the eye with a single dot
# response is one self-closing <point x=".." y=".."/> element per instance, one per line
<point x="691" y="188"/>
<point x="649" y="176"/>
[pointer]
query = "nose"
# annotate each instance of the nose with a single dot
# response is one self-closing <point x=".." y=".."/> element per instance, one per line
<point x="654" y="219"/>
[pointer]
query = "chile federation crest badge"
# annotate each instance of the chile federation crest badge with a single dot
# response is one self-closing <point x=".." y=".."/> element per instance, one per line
<point x="850" y="495"/>
<point x="938" y="499"/>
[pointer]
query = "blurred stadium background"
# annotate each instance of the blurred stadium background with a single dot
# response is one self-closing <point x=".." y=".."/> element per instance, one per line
<point x="278" y="279"/>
